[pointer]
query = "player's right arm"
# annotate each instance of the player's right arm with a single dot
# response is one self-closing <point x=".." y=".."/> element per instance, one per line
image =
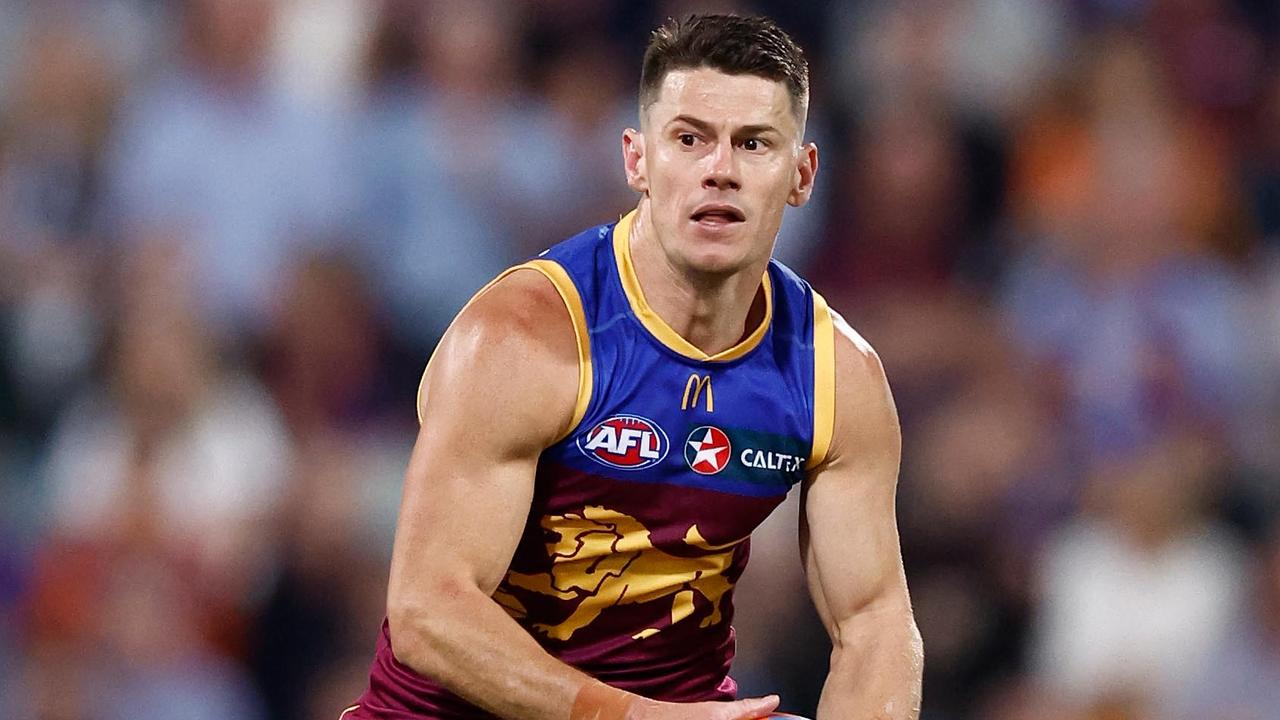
<point x="500" y="388"/>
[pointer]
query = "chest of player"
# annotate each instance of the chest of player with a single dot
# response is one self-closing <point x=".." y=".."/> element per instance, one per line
<point x="674" y="464"/>
<point x="734" y="432"/>
<point x="729" y="429"/>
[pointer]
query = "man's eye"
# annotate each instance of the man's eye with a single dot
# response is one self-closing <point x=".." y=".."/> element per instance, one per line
<point x="686" y="139"/>
<point x="751" y="144"/>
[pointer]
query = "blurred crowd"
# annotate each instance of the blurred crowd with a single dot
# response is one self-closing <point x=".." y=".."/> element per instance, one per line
<point x="231" y="232"/>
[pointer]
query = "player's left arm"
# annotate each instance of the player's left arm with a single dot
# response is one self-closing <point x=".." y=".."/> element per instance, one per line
<point x="849" y="544"/>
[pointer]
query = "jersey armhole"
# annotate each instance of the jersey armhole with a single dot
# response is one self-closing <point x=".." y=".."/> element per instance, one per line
<point x="573" y="303"/>
<point x="824" y="381"/>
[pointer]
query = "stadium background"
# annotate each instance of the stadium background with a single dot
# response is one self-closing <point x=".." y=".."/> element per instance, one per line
<point x="231" y="231"/>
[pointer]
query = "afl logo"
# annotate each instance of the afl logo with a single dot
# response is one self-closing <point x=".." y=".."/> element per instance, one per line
<point x="707" y="450"/>
<point x="627" y="442"/>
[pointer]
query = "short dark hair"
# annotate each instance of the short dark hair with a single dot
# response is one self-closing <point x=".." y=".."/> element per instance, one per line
<point x="731" y="44"/>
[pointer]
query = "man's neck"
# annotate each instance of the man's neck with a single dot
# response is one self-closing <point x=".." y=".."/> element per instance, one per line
<point x="712" y="312"/>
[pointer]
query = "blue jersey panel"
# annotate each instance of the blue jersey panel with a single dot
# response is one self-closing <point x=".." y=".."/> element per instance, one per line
<point x="742" y="425"/>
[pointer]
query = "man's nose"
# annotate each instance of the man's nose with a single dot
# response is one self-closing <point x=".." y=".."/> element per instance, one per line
<point x="722" y="169"/>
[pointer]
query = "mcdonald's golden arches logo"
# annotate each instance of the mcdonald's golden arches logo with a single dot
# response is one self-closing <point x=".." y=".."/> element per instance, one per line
<point x="693" y="389"/>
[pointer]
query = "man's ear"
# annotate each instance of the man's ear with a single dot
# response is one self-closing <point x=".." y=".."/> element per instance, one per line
<point x="806" y="171"/>
<point x="633" y="160"/>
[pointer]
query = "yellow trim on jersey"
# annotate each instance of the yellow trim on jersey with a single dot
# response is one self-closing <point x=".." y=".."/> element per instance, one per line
<point x="824" y="381"/>
<point x="659" y="327"/>
<point x="573" y="302"/>
<point x="350" y="709"/>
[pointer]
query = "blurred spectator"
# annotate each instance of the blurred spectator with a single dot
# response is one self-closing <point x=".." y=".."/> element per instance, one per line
<point x="980" y="58"/>
<point x="1119" y="292"/>
<point x="351" y="433"/>
<point x="173" y="452"/>
<point x="459" y="169"/>
<point x="213" y="152"/>
<point x="49" y="338"/>
<point x="319" y="49"/>
<point x="314" y="634"/>
<point x="62" y="99"/>
<point x="51" y="139"/>
<point x="590" y="96"/>
<point x="323" y="348"/>
<point x="1144" y="585"/>
<point x="900" y="220"/>
<point x="981" y="489"/>
<point x="115" y="634"/>
<point x="162" y="486"/>
<point x="1213" y="58"/>
<point x="1240" y="677"/>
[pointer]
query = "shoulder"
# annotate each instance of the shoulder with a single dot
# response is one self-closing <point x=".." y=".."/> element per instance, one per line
<point x="866" y="419"/>
<point x="857" y="361"/>
<point x="522" y="308"/>
<point x="514" y="348"/>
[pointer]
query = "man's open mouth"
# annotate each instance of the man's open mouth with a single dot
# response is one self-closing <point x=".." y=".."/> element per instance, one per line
<point x="718" y="214"/>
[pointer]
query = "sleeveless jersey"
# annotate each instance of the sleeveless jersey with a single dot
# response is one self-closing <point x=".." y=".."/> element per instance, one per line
<point x="641" y="514"/>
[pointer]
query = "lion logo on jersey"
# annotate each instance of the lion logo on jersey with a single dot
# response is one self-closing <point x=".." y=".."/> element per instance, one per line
<point x="604" y="558"/>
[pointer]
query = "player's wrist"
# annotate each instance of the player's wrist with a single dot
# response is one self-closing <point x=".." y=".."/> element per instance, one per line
<point x="642" y="708"/>
<point x="597" y="701"/>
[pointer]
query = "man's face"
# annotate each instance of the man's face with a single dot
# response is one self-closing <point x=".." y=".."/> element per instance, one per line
<point x="719" y="157"/>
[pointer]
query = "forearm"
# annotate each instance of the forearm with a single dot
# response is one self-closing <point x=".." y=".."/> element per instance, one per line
<point x="469" y="644"/>
<point x="876" y="667"/>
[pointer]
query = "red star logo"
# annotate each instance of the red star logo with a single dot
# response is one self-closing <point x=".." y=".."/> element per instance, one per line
<point x="708" y="450"/>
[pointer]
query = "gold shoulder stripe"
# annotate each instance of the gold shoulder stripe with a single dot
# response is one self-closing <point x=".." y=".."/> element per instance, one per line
<point x="824" y="381"/>
<point x="573" y="302"/>
<point x="351" y="709"/>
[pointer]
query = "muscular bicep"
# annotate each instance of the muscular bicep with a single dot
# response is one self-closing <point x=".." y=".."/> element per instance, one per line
<point x="849" y="533"/>
<point x="497" y="392"/>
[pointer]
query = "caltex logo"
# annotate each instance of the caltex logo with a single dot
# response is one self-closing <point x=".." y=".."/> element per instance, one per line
<point x="627" y="442"/>
<point x="707" y="450"/>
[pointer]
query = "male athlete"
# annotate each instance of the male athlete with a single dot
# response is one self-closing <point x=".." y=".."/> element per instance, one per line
<point x="604" y="426"/>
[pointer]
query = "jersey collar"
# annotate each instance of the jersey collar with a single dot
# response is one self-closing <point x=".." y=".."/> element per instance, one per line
<point x="659" y="327"/>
